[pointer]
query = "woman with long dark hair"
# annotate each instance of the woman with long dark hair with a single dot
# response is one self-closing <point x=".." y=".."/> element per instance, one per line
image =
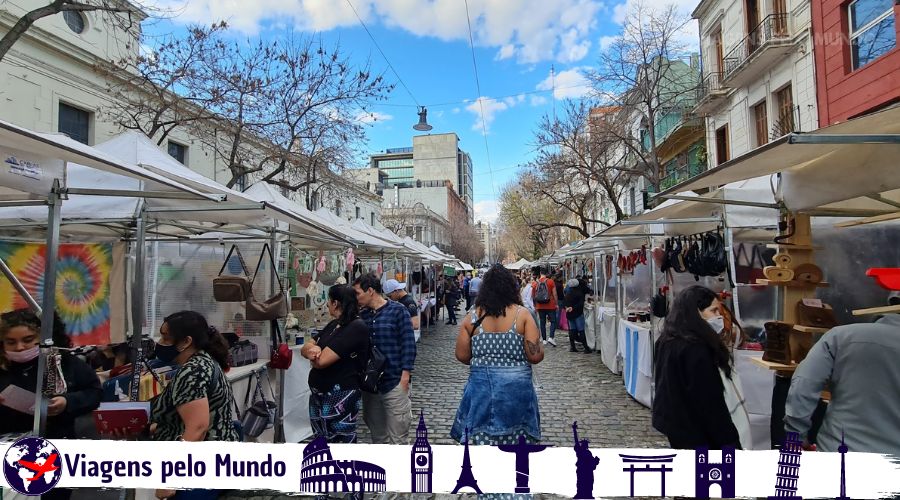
<point x="695" y="379"/>
<point x="500" y="341"/>
<point x="337" y="355"/>
<point x="197" y="403"/>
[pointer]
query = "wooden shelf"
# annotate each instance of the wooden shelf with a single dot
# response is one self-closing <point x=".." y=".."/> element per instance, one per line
<point x="795" y="247"/>
<point x="774" y="366"/>
<point x="810" y="329"/>
<point x="877" y="310"/>
<point x="794" y="283"/>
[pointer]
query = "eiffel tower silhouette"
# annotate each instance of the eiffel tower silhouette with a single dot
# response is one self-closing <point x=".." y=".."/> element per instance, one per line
<point x="465" y="476"/>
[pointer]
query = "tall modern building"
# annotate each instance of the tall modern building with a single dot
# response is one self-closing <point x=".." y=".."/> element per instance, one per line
<point x="431" y="162"/>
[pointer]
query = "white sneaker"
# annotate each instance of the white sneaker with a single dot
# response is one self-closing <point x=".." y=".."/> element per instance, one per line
<point x="551" y="341"/>
<point x="545" y="341"/>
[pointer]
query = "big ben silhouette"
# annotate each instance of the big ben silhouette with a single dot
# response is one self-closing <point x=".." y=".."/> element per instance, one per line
<point x="421" y="465"/>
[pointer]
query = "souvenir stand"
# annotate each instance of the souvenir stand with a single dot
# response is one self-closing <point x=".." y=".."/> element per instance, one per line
<point x="36" y="182"/>
<point x="167" y="221"/>
<point x="815" y="180"/>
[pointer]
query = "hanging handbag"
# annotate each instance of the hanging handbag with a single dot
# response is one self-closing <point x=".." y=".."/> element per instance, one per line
<point x="281" y="353"/>
<point x="275" y="306"/>
<point x="232" y="288"/>
<point x="260" y="415"/>
<point x="659" y="305"/>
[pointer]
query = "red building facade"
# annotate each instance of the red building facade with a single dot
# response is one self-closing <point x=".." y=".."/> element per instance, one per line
<point x="857" y="57"/>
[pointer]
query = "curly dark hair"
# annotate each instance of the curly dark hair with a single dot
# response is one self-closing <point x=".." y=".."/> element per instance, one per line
<point x="498" y="291"/>
<point x="184" y="324"/>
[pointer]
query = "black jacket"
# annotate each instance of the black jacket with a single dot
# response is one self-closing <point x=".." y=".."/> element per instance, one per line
<point x="82" y="396"/>
<point x="689" y="406"/>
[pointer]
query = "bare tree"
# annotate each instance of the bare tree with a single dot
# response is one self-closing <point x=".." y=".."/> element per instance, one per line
<point x="636" y="74"/>
<point x="154" y="95"/>
<point x="580" y="165"/>
<point x="465" y="244"/>
<point x="124" y="14"/>
<point x="530" y="219"/>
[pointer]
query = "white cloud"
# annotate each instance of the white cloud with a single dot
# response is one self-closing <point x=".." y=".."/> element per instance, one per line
<point x="687" y="36"/>
<point x="606" y="42"/>
<point x="538" y="100"/>
<point x="456" y="111"/>
<point x="529" y="30"/>
<point x="373" y="117"/>
<point x="487" y="211"/>
<point x="485" y="110"/>
<point x="568" y="84"/>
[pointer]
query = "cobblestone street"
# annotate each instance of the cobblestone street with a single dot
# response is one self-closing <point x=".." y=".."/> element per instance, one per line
<point x="571" y="386"/>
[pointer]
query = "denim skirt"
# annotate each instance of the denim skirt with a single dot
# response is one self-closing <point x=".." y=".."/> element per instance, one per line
<point x="498" y="401"/>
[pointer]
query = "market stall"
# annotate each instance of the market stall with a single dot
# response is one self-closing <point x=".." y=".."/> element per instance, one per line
<point x="846" y="170"/>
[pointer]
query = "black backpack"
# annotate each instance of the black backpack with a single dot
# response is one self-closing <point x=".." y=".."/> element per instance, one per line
<point x="542" y="294"/>
<point x="372" y="371"/>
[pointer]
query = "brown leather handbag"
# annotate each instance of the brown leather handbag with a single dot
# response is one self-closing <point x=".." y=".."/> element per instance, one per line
<point x="274" y="307"/>
<point x="232" y="288"/>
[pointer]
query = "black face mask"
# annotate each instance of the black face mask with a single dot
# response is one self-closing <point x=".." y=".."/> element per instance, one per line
<point x="166" y="353"/>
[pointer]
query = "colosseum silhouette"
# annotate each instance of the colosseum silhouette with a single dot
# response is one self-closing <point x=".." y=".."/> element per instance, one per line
<point x="321" y="473"/>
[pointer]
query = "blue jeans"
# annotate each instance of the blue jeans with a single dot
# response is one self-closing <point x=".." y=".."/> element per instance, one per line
<point x="544" y="314"/>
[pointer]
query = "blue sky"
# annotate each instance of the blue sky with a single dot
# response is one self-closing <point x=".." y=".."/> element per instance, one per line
<point x="426" y="41"/>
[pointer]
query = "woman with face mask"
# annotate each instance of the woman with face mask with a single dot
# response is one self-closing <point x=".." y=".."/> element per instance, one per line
<point x="698" y="402"/>
<point x="20" y="333"/>
<point x="337" y="355"/>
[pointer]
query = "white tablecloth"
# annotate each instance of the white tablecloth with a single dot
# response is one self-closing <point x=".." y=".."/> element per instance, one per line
<point x="757" y="383"/>
<point x="636" y="350"/>
<point x="609" y="340"/>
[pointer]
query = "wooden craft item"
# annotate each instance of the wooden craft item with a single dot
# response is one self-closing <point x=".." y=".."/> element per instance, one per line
<point x="782" y="260"/>
<point x="779" y="274"/>
<point x="809" y="273"/>
<point x="818" y="317"/>
<point x="800" y="344"/>
<point x="778" y="347"/>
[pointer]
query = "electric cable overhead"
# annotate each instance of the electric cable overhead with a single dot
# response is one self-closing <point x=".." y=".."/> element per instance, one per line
<point x="388" y="61"/>
<point x="487" y="149"/>
<point x="486" y="99"/>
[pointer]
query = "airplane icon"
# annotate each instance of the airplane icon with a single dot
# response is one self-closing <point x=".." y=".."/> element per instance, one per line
<point x="40" y="470"/>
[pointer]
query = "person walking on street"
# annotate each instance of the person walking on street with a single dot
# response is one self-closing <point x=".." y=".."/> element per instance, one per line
<point x="465" y="289"/>
<point x="500" y="342"/>
<point x="543" y="293"/>
<point x="527" y="299"/>
<point x="698" y="401"/>
<point x="474" y="288"/>
<point x="848" y="359"/>
<point x="396" y="291"/>
<point x="575" y="294"/>
<point x="388" y="413"/>
<point x="451" y="297"/>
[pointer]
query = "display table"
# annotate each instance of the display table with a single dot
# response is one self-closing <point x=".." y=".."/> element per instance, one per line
<point x="757" y="383"/>
<point x="609" y="340"/>
<point x="636" y="350"/>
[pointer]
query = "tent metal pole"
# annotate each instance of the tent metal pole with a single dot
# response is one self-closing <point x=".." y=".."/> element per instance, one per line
<point x="844" y="139"/>
<point x="48" y="308"/>
<point x="137" y="299"/>
<point x="22" y="203"/>
<point x="720" y="201"/>
<point x="252" y="206"/>
<point x="596" y="304"/>
<point x="652" y="265"/>
<point x="23" y="292"/>
<point x="729" y="244"/>
<point x="667" y="221"/>
<point x="126" y="193"/>
<point x="279" y="413"/>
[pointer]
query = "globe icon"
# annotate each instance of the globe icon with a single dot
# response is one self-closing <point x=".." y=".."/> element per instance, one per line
<point x="32" y="466"/>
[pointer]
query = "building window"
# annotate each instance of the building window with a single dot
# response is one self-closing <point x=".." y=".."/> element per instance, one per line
<point x="178" y="151"/>
<point x="872" y="32"/>
<point x="74" y="122"/>
<point x="762" y="124"/>
<point x="74" y="20"/>
<point x="337" y="207"/>
<point x="358" y="212"/>
<point x="241" y="183"/>
<point x="785" y="122"/>
<point x="722" y="149"/>
<point x="372" y="219"/>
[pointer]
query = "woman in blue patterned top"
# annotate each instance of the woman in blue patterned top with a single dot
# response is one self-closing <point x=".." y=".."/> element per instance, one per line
<point x="500" y="342"/>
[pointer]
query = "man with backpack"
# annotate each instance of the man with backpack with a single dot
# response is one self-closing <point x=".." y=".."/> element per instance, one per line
<point x="543" y="291"/>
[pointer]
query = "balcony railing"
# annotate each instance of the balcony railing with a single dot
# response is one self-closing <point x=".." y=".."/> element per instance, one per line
<point x="773" y="28"/>
<point x="711" y="84"/>
<point x="680" y="174"/>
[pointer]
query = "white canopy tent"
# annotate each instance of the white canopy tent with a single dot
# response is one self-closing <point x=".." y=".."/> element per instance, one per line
<point x="847" y="169"/>
<point x="36" y="173"/>
<point x="519" y="265"/>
